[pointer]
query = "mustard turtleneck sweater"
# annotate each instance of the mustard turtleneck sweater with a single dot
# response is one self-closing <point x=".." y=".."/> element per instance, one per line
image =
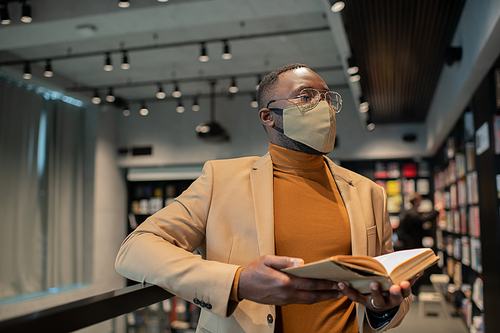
<point x="310" y="222"/>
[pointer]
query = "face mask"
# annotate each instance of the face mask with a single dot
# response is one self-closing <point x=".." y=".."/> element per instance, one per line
<point x="315" y="128"/>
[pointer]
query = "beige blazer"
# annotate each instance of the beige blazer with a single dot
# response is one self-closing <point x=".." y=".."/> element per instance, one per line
<point x="227" y="213"/>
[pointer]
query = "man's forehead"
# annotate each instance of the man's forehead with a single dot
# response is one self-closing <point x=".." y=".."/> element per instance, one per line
<point x="299" y="78"/>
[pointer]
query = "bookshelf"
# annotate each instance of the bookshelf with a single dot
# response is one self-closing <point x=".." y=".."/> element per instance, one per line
<point x="400" y="178"/>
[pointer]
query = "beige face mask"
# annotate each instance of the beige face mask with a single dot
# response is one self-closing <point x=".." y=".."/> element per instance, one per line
<point x="315" y="128"/>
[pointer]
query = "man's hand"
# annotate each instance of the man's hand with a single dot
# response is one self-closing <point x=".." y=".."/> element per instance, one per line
<point x="377" y="300"/>
<point x="262" y="282"/>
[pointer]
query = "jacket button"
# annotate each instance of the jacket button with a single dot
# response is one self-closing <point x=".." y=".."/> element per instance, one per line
<point x="196" y="301"/>
<point x="270" y="318"/>
<point x="203" y="304"/>
<point x="209" y="306"/>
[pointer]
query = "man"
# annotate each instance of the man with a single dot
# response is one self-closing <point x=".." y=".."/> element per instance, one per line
<point x="251" y="217"/>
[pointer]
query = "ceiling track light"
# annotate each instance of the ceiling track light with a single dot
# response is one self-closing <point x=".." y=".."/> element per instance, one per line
<point x="337" y="6"/>
<point x="226" y="53"/>
<point x="27" y="71"/>
<point x="352" y="67"/>
<point x="162" y="0"/>
<point x="123" y="3"/>
<point x="233" y="89"/>
<point x="26" y="13"/>
<point x="125" y="64"/>
<point x="108" y="66"/>
<point x="48" y="69"/>
<point x="144" y="110"/>
<point x="4" y="14"/>
<point x="180" y="108"/>
<point x="160" y="94"/>
<point x="110" y="97"/>
<point x="370" y="125"/>
<point x="176" y="93"/>
<point x="364" y="106"/>
<point x="96" y="99"/>
<point x="203" y="52"/>
<point x="355" y="78"/>
<point x="196" y="106"/>
<point x="254" y="102"/>
<point x="126" y="110"/>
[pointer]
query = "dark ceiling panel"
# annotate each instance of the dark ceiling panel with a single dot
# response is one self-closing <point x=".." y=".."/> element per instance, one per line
<point x="399" y="46"/>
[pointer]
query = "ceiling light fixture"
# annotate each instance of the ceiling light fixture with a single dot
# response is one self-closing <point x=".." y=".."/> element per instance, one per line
<point x="196" y="106"/>
<point x="180" y="108"/>
<point x="110" y="97"/>
<point x="370" y="125"/>
<point x="352" y="67"/>
<point x="4" y="14"/>
<point x="259" y="79"/>
<point x="337" y="6"/>
<point x="96" y="99"/>
<point x="126" y="111"/>
<point x="233" y="89"/>
<point x="177" y="92"/>
<point x="364" y="106"/>
<point x="160" y="94"/>
<point x="144" y="110"/>
<point x="162" y="0"/>
<point x="123" y="3"/>
<point x="108" y="67"/>
<point x="48" y="69"/>
<point x="226" y="53"/>
<point x="254" y="102"/>
<point x="125" y="64"/>
<point x="354" y="78"/>
<point x="26" y="13"/>
<point x="27" y="71"/>
<point x="203" y="52"/>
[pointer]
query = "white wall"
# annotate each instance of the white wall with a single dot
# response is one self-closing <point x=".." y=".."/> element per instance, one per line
<point x="175" y="141"/>
<point x="478" y="33"/>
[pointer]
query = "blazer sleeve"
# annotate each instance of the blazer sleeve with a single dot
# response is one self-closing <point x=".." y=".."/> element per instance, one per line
<point x="160" y="250"/>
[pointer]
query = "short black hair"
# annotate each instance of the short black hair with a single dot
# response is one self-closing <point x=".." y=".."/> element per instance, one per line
<point x="266" y="86"/>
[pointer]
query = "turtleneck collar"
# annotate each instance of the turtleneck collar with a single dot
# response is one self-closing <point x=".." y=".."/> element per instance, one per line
<point x="287" y="158"/>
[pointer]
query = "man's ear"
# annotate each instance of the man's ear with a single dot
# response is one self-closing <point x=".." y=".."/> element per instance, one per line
<point x="266" y="117"/>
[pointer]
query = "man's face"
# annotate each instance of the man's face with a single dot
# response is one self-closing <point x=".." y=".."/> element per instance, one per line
<point x="289" y="86"/>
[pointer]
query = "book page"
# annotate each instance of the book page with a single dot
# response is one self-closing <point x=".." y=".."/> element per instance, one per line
<point x="394" y="259"/>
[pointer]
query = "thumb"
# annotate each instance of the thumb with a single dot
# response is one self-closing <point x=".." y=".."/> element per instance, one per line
<point x="280" y="262"/>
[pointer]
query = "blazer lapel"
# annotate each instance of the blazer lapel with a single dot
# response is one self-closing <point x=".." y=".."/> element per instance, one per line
<point x="261" y="179"/>
<point x="352" y="203"/>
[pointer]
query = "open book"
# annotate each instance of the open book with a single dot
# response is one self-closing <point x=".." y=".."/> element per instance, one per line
<point x="359" y="271"/>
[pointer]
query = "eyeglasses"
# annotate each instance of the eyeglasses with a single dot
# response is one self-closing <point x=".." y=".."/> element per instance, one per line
<point x="310" y="97"/>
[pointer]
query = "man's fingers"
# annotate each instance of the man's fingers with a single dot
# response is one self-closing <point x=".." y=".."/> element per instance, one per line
<point x="405" y="288"/>
<point x="377" y="301"/>
<point x="280" y="262"/>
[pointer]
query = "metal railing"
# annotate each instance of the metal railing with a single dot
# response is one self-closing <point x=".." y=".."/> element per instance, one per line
<point x="88" y="311"/>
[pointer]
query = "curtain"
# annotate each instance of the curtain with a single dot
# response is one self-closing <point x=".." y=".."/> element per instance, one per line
<point x="41" y="190"/>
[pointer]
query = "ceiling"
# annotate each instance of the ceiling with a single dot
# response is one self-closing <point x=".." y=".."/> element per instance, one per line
<point x="399" y="47"/>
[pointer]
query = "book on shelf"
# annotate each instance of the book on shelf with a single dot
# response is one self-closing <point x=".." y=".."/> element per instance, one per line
<point x="393" y="170"/>
<point x="465" y="251"/>
<point x="393" y="187"/>
<point x="394" y="203"/>
<point x="359" y="271"/>
<point x="423" y="169"/>
<point x="470" y="153"/>
<point x="472" y="191"/>
<point x="409" y="170"/>
<point x="423" y="187"/>
<point x="469" y="131"/>
<point x="380" y="170"/>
